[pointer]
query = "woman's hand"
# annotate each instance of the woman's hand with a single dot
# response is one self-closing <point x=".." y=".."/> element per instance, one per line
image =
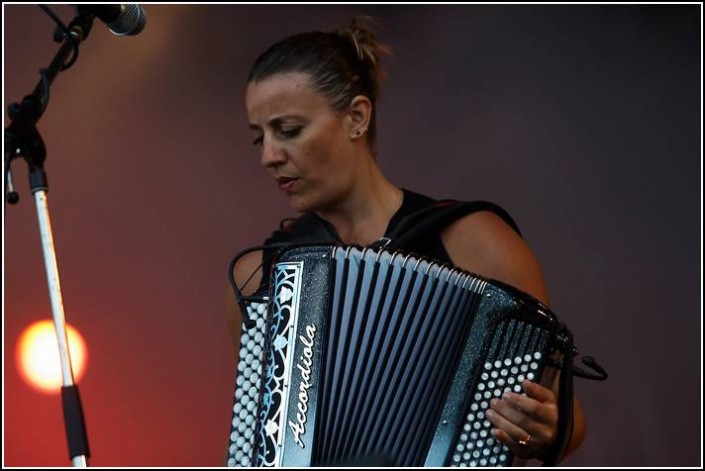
<point x="527" y="425"/>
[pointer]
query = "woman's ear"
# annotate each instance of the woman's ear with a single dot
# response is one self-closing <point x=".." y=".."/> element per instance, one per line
<point x="359" y="115"/>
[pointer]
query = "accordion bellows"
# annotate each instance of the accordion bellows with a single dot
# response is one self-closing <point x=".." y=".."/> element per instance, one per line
<point x="362" y="356"/>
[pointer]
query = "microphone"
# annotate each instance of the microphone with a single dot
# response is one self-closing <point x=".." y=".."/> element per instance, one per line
<point x="121" y="19"/>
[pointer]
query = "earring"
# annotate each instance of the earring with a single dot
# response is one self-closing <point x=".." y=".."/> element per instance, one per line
<point x="358" y="133"/>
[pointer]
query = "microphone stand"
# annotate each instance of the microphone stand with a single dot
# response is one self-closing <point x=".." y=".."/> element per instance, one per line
<point x="22" y="138"/>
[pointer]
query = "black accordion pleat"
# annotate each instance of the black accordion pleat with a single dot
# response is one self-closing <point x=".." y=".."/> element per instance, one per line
<point x="386" y="374"/>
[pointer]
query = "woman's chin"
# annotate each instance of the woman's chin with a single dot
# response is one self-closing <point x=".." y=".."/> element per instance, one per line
<point x="300" y="203"/>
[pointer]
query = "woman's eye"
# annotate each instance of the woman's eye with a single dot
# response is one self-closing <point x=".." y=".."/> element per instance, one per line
<point x="290" y="133"/>
<point x="257" y="141"/>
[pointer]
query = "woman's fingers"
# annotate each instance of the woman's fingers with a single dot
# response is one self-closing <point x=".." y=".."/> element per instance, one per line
<point x="519" y="441"/>
<point x="525" y="424"/>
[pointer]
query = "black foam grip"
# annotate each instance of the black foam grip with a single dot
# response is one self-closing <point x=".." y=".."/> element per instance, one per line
<point x="75" y="424"/>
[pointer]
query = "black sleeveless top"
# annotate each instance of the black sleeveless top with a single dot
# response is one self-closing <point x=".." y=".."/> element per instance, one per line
<point x="411" y="203"/>
<point x="416" y="228"/>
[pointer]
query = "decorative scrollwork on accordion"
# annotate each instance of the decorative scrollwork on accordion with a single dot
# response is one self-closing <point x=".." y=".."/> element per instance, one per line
<point x="366" y="354"/>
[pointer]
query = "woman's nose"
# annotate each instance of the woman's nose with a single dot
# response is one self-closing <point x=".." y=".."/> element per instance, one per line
<point x="272" y="153"/>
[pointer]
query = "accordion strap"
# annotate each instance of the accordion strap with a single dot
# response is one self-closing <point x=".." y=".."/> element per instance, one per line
<point x="555" y="452"/>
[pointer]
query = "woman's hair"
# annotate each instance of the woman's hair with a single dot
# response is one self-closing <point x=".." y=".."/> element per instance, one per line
<point x="341" y="64"/>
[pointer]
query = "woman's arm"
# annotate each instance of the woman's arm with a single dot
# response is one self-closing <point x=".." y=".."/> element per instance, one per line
<point x="248" y="265"/>
<point x="483" y="243"/>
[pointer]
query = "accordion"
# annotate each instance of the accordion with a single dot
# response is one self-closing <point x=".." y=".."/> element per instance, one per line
<point x="365" y="354"/>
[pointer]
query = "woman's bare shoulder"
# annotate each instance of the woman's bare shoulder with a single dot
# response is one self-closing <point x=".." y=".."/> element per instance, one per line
<point x="483" y="243"/>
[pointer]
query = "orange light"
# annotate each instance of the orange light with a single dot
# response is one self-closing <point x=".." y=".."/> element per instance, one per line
<point x="38" y="356"/>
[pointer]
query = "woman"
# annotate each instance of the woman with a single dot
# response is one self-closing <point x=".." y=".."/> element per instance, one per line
<point x="311" y="101"/>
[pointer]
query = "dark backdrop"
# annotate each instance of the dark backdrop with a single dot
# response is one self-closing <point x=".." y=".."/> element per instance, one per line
<point x="583" y="121"/>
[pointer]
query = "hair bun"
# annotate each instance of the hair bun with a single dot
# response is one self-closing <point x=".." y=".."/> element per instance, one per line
<point x="359" y="32"/>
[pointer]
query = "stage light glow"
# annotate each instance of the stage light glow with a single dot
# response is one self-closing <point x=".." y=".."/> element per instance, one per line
<point x="37" y="356"/>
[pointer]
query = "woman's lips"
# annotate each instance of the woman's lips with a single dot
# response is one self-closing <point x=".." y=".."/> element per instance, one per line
<point x="287" y="184"/>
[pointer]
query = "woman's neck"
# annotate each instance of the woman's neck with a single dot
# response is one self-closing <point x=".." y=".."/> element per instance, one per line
<point x="363" y="216"/>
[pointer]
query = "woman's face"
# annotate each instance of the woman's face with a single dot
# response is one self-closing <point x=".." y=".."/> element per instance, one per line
<point x="304" y="144"/>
